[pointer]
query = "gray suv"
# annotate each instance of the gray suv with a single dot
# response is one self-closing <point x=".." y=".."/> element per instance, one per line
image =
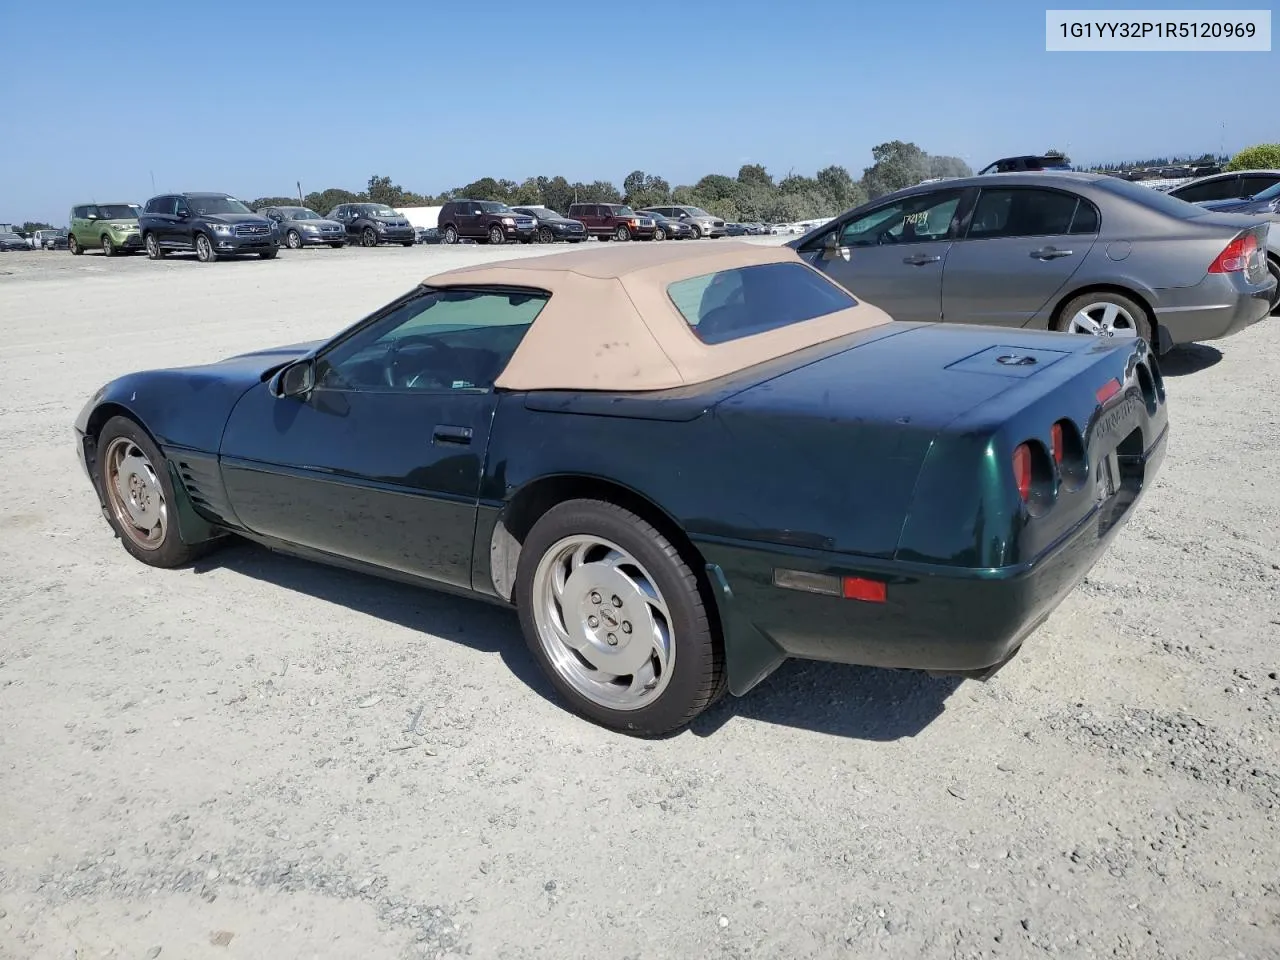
<point x="1073" y="252"/>
<point x="704" y="224"/>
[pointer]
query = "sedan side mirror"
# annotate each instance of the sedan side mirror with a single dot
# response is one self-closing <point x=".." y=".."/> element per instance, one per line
<point x="296" y="380"/>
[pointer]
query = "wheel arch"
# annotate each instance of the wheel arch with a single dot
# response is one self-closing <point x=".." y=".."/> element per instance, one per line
<point x="538" y="496"/>
<point x="1142" y="299"/>
<point x="192" y="528"/>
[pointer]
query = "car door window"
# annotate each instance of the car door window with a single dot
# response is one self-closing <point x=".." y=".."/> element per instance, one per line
<point x="1253" y="184"/>
<point x="436" y="340"/>
<point x="181" y="207"/>
<point x="910" y="220"/>
<point x="1026" y="212"/>
<point x="1223" y="188"/>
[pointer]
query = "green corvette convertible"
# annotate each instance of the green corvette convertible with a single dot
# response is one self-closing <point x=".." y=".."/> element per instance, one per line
<point x="682" y="467"/>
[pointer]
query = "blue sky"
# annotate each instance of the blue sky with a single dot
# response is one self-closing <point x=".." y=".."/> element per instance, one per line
<point x="250" y="97"/>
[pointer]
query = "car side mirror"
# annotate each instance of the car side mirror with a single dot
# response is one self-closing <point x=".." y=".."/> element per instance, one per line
<point x="296" y="380"/>
<point x="831" y="249"/>
<point x="92" y="216"/>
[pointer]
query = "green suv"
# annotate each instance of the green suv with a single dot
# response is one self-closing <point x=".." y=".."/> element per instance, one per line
<point x="109" y="227"/>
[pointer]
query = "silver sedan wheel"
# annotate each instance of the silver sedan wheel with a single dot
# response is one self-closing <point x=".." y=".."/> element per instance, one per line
<point x="1104" y="319"/>
<point x="603" y="623"/>
<point x="135" y="493"/>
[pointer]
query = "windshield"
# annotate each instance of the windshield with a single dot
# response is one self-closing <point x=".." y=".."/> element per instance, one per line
<point x="696" y="212"/>
<point x="206" y="206"/>
<point x="9" y="236"/>
<point x="1270" y="193"/>
<point x="300" y="213"/>
<point x="119" y="211"/>
<point x="377" y="210"/>
<point x="493" y="206"/>
<point x="542" y="213"/>
<point x="622" y="210"/>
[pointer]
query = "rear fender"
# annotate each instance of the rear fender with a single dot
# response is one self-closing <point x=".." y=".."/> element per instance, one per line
<point x="750" y="656"/>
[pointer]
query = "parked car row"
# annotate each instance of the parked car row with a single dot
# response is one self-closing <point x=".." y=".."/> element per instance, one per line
<point x="491" y="221"/>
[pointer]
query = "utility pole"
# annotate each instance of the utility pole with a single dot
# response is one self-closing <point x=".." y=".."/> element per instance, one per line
<point x="299" y="183"/>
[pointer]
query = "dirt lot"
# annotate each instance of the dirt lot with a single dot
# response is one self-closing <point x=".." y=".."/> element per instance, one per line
<point x="207" y="763"/>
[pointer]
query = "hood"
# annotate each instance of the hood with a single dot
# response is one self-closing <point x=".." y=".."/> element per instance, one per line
<point x="235" y="218"/>
<point x="322" y="222"/>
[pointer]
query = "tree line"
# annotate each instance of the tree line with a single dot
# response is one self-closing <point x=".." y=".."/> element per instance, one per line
<point x="752" y="195"/>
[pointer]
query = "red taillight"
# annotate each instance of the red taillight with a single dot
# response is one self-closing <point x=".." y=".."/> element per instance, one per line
<point x="859" y="588"/>
<point x="1236" y="256"/>
<point x="1055" y="435"/>
<point x="1108" y="390"/>
<point x="1022" y="470"/>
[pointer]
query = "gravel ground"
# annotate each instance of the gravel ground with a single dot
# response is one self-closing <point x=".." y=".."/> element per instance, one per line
<point x="265" y="758"/>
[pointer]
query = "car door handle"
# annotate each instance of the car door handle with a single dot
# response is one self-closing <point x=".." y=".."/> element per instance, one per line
<point x="447" y="433"/>
<point x="920" y="259"/>
<point x="1050" y="253"/>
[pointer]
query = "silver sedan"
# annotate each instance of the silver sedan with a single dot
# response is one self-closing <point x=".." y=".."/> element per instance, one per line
<point x="302" y="227"/>
<point x="1074" y="252"/>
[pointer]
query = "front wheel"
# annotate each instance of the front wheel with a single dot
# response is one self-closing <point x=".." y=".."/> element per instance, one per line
<point x="659" y="234"/>
<point x="108" y="248"/>
<point x="614" y="615"/>
<point x="74" y="245"/>
<point x="139" y="492"/>
<point x="622" y="233"/>
<point x="496" y="235"/>
<point x="154" y="252"/>
<point x="204" y="249"/>
<point x="269" y="254"/>
<point x="293" y="239"/>
<point x="369" y="238"/>
<point x="1104" y="314"/>
<point x="545" y="235"/>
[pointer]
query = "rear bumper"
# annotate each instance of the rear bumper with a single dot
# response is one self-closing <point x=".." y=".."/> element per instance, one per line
<point x="935" y="618"/>
<point x="1217" y="307"/>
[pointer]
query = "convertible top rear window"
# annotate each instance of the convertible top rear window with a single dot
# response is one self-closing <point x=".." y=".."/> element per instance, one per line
<point x="731" y="304"/>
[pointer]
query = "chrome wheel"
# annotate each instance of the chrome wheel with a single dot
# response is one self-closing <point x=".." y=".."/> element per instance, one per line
<point x="659" y="234"/>
<point x="450" y="235"/>
<point x="495" y="234"/>
<point x="135" y="494"/>
<point x="622" y="233"/>
<point x="1104" y="319"/>
<point x="153" y="246"/>
<point x="603" y="623"/>
<point x="204" y="249"/>
<point x="108" y="248"/>
<point x="369" y="238"/>
<point x="293" y="239"/>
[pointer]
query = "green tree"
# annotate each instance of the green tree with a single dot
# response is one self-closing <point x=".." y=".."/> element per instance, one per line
<point x="557" y="193"/>
<point x="486" y="188"/>
<point x="897" y="165"/>
<point x="754" y="175"/>
<point x="382" y="190"/>
<point x="322" y="201"/>
<point x="949" y="167"/>
<point x="1261" y="156"/>
<point x="843" y="191"/>
<point x="274" y="202"/>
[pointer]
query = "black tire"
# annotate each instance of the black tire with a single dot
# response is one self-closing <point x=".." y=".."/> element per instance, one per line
<point x="108" y="246"/>
<point x="659" y="234"/>
<point x="623" y="232"/>
<point x="496" y="235"/>
<point x="204" y="249"/>
<point x="407" y="243"/>
<point x="697" y="231"/>
<point x="698" y="676"/>
<point x="337" y="246"/>
<point x="368" y="237"/>
<point x="293" y="240"/>
<point x="1137" y="311"/>
<point x="74" y="245"/>
<point x="450" y="234"/>
<point x="170" y="551"/>
<point x="545" y="235"/>
<point x="269" y="254"/>
<point x="154" y="250"/>
<point x="1273" y="267"/>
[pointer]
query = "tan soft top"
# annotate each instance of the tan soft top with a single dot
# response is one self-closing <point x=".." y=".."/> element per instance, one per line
<point x="609" y="324"/>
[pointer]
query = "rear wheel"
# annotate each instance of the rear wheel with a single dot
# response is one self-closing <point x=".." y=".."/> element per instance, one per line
<point x="140" y="497"/>
<point x="1104" y="314"/>
<point x="614" y="616"/>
